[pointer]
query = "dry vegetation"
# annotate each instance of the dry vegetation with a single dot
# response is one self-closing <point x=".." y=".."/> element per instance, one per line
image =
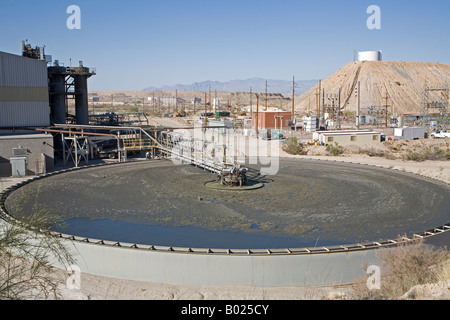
<point x="26" y="250"/>
<point x="409" y="150"/>
<point x="415" y="150"/>
<point x="410" y="272"/>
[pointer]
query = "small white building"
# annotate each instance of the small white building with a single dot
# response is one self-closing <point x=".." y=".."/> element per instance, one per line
<point x="350" y="137"/>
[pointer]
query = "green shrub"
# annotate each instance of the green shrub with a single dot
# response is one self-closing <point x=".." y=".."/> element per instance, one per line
<point x="293" y="146"/>
<point x="335" y="149"/>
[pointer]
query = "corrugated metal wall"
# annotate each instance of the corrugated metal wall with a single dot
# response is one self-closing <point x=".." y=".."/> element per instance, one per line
<point x="18" y="71"/>
<point x="23" y="92"/>
<point x="24" y="114"/>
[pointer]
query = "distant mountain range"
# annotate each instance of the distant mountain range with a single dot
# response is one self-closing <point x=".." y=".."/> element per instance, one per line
<point x="257" y="85"/>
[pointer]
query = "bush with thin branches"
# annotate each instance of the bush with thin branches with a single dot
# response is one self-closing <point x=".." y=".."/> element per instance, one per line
<point x="27" y="253"/>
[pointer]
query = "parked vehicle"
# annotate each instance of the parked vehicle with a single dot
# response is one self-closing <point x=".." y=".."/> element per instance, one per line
<point x="440" y="134"/>
<point x="108" y="149"/>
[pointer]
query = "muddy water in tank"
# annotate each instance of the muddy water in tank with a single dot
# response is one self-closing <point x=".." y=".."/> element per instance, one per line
<point x="307" y="203"/>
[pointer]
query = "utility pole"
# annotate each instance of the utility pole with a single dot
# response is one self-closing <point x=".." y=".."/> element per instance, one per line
<point x="195" y="98"/>
<point x="176" y="101"/>
<point x="359" y="104"/>
<point x="293" y="96"/>
<point x="251" y="103"/>
<point x="339" y="110"/>
<point x="317" y="102"/>
<point x="209" y="97"/>
<point x="159" y="105"/>
<point x="154" y="102"/>
<point x="215" y="102"/>
<point x="206" y="118"/>
<point x="322" y="110"/>
<point x="266" y="95"/>
<point x="386" y="107"/>
<point x="257" y="114"/>
<point x="318" y="106"/>
<point x="168" y="105"/>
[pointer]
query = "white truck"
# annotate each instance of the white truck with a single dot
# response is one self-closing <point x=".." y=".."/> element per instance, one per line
<point x="440" y="134"/>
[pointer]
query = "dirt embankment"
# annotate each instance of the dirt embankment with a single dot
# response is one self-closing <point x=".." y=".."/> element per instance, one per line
<point x="401" y="82"/>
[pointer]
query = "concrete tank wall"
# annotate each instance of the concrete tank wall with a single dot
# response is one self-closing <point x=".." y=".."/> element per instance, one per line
<point x="223" y="270"/>
<point x="216" y="270"/>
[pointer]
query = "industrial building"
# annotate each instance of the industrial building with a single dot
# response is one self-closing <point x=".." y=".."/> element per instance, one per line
<point x="272" y="119"/>
<point x="24" y="106"/>
<point x="167" y="100"/>
<point x="24" y="99"/>
<point x="34" y="95"/>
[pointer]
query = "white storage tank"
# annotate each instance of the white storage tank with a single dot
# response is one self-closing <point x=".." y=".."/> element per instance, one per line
<point x="369" y="56"/>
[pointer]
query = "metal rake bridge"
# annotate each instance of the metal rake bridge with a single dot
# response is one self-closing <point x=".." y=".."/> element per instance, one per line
<point x="78" y="144"/>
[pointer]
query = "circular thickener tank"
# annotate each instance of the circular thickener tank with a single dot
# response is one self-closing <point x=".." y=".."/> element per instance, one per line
<point x="306" y="204"/>
<point x="369" y="56"/>
<point x="314" y="208"/>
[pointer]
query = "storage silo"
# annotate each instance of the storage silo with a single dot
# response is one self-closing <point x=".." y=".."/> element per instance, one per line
<point x="369" y="56"/>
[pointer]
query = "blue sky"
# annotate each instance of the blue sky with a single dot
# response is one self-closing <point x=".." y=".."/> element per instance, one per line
<point x="135" y="44"/>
